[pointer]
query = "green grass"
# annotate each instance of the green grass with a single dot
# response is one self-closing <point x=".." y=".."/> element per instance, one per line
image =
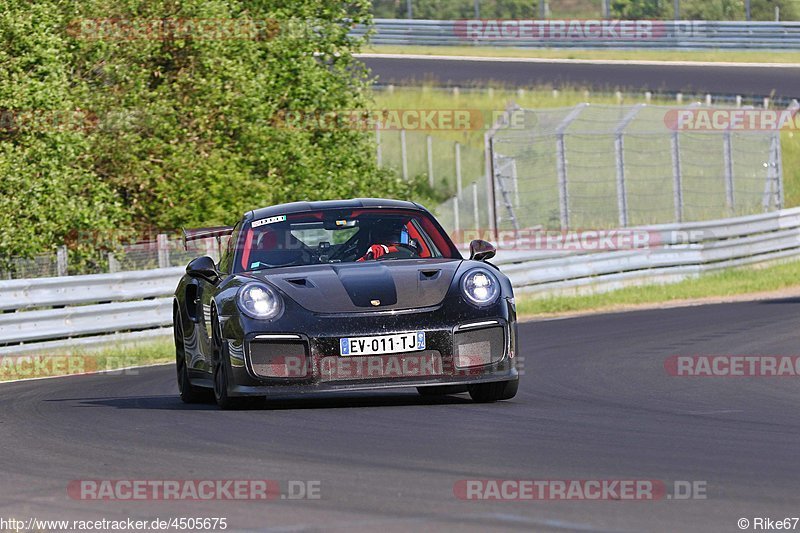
<point x="734" y="56"/>
<point x="731" y="282"/>
<point x="68" y="361"/>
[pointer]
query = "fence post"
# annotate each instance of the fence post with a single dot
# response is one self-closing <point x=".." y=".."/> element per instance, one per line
<point x="378" y="154"/>
<point x="488" y="149"/>
<point x="404" y="154"/>
<point x="622" y="197"/>
<point x="476" y="214"/>
<point x="515" y="181"/>
<point x="429" y="140"/>
<point x="619" y="149"/>
<point x="61" y="260"/>
<point x="677" y="186"/>
<point x="773" y="188"/>
<point x="561" y="164"/>
<point x="561" y="167"/>
<point x="456" y="215"/>
<point x="727" y="149"/>
<point x="113" y="264"/>
<point x="458" y="169"/>
<point x="778" y="165"/>
<point x="163" y="250"/>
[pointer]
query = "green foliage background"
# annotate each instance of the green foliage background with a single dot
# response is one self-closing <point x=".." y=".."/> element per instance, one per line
<point x="181" y="131"/>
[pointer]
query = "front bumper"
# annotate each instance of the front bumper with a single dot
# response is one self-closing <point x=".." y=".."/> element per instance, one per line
<point x="467" y="350"/>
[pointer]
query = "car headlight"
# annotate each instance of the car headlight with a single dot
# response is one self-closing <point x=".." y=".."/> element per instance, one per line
<point x="480" y="287"/>
<point x="258" y="300"/>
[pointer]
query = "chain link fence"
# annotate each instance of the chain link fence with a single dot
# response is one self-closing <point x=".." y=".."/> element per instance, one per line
<point x="601" y="166"/>
<point x="615" y="166"/>
<point x="165" y="251"/>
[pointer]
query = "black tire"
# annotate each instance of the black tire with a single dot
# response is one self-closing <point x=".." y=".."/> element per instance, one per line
<point x="440" y="390"/>
<point x="493" y="392"/>
<point x="220" y="373"/>
<point x="188" y="393"/>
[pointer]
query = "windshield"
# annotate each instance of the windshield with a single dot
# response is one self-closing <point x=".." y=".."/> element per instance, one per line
<point x="336" y="236"/>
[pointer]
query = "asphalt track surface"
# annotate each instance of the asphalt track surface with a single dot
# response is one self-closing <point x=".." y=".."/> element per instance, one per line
<point x="595" y="403"/>
<point x="670" y="78"/>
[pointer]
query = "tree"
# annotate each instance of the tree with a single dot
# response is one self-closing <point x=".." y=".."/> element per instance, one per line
<point x="181" y="125"/>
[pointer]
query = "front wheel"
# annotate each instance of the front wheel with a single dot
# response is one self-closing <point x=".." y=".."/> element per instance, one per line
<point x="220" y="373"/>
<point x="493" y="392"/>
<point x="224" y="401"/>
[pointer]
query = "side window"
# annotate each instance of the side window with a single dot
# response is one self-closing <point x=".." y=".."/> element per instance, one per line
<point x="226" y="261"/>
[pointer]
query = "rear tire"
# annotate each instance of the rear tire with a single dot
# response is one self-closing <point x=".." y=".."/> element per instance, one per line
<point x="188" y="393"/>
<point x="493" y="392"/>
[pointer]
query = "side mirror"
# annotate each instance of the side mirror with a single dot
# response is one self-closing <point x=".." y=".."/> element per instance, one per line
<point x="203" y="267"/>
<point x="481" y="250"/>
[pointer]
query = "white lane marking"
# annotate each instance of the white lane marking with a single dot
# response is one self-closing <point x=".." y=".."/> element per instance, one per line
<point x="640" y="62"/>
<point x="87" y="373"/>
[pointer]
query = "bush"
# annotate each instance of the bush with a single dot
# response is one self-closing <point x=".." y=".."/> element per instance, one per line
<point x="178" y="131"/>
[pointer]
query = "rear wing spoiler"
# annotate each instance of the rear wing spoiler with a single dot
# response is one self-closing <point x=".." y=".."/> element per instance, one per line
<point x="205" y="233"/>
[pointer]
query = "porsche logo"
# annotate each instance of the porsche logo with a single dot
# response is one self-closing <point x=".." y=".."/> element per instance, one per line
<point x="375" y="303"/>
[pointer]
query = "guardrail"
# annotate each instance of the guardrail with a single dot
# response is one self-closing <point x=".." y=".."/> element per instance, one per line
<point x="585" y="33"/>
<point x="49" y="313"/>
<point x="674" y="252"/>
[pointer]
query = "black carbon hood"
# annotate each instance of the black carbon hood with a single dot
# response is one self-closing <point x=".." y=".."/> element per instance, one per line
<point x="373" y="285"/>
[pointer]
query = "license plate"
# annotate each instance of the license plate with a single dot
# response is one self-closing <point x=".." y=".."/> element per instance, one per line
<point x="382" y="344"/>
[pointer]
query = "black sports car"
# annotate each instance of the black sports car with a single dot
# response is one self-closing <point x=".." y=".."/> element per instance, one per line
<point x="343" y="296"/>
